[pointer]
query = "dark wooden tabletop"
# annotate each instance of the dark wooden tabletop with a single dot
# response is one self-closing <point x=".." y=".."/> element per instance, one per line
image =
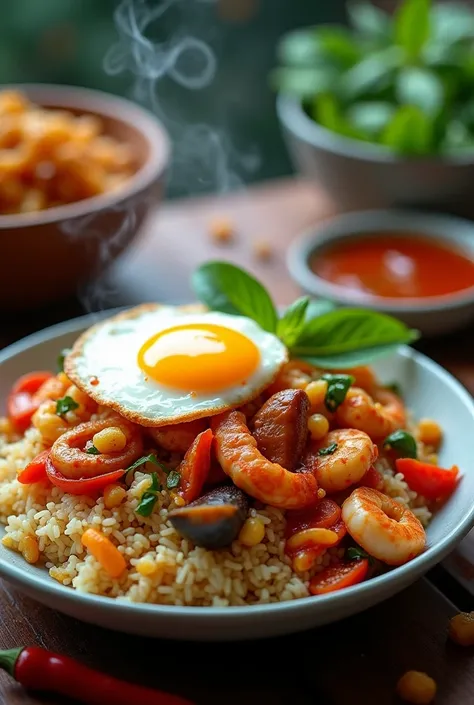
<point x="354" y="662"/>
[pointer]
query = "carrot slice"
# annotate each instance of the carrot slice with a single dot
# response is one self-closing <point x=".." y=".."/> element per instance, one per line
<point x="34" y="471"/>
<point x="21" y="404"/>
<point x="104" y="551"/>
<point x="194" y="467"/>
<point x="338" y="577"/>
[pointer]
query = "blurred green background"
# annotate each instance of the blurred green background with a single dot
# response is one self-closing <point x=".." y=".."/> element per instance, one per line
<point x="65" y="41"/>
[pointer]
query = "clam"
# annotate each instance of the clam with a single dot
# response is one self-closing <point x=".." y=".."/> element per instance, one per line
<point x="215" y="519"/>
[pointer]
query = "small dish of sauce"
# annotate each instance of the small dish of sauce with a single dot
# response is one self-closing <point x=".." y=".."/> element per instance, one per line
<point x="395" y="265"/>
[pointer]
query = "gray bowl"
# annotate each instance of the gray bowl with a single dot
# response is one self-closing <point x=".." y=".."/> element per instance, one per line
<point x="432" y="316"/>
<point x="358" y="176"/>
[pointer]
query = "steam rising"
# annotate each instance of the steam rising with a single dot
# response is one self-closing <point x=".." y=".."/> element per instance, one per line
<point x="203" y="155"/>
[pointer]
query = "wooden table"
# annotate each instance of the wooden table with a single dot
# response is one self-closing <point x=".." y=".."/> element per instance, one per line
<point x="355" y="662"/>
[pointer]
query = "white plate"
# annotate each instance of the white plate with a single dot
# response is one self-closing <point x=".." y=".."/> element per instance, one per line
<point x="429" y="391"/>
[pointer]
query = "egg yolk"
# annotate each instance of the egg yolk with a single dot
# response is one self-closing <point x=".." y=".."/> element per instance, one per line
<point x="199" y="357"/>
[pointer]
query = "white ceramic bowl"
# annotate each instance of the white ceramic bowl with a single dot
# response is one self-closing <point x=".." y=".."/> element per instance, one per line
<point x="433" y="316"/>
<point x="429" y="391"/>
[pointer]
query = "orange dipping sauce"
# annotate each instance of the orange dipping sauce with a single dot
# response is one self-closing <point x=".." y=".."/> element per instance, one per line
<point x="395" y="266"/>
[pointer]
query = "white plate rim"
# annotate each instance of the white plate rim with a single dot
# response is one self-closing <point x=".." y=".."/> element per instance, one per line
<point x="401" y="575"/>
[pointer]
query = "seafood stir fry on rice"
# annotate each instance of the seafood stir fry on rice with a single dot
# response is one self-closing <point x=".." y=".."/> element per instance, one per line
<point x="180" y="457"/>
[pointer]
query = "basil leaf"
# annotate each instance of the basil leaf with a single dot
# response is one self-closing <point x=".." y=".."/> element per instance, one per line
<point x="173" y="479"/>
<point x="349" y="337"/>
<point x="224" y="287"/>
<point x="338" y="45"/>
<point x="372" y="72"/>
<point x="92" y="450"/>
<point x="141" y="461"/>
<point x="316" y="307"/>
<point x="451" y="22"/>
<point x="355" y="553"/>
<point x="303" y="81"/>
<point x="292" y="321"/>
<point x="369" y="20"/>
<point x="338" y="386"/>
<point x="409" y="131"/>
<point x="329" y="450"/>
<point x="420" y="87"/>
<point x="412" y="26"/>
<point x="370" y="116"/>
<point x="61" y="358"/>
<point x="328" y="112"/>
<point x="300" y="48"/>
<point x="65" y="404"/>
<point x="318" y="46"/>
<point x="147" y="504"/>
<point x="403" y="442"/>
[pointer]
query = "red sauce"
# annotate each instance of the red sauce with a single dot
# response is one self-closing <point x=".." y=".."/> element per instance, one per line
<point x="395" y="266"/>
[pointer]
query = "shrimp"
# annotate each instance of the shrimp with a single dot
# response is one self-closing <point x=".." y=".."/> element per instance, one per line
<point x="384" y="528"/>
<point x="295" y="374"/>
<point x="178" y="437"/>
<point x="378" y="415"/>
<point x="237" y="452"/>
<point x="70" y="457"/>
<point x="352" y="456"/>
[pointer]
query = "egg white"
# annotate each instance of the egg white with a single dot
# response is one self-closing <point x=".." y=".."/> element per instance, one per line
<point x="108" y="351"/>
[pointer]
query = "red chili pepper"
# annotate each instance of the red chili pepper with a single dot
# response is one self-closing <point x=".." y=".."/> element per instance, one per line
<point x="195" y="466"/>
<point x="42" y="670"/>
<point x="21" y="404"/>
<point x="36" y="470"/>
<point x="87" y="485"/>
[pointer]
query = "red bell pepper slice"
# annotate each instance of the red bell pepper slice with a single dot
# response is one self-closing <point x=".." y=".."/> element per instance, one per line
<point x="428" y="480"/>
<point x="194" y="468"/>
<point x="21" y="404"/>
<point x="90" y="486"/>
<point x="338" y="577"/>
<point x="34" y="471"/>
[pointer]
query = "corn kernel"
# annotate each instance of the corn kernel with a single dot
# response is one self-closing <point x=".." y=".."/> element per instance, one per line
<point x="113" y="495"/>
<point x="252" y="532"/>
<point x="416" y="687"/>
<point x="64" y="379"/>
<point x="110" y="440"/>
<point x="461" y="628"/>
<point x="297" y="379"/>
<point x="48" y="423"/>
<point x="8" y="542"/>
<point x="429" y="432"/>
<point x="316" y="392"/>
<point x="146" y="567"/>
<point x="221" y="230"/>
<point x="318" y="426"/>
<point x="6" y="426"/>
<point x="30" y="549"/>
<point x="303" y="561"/>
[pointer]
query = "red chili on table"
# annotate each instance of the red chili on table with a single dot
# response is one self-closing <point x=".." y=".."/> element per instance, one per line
<point x="42" y="670"/>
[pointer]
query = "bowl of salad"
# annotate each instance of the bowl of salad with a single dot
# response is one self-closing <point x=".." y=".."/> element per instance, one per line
<point x="380" y="112"/>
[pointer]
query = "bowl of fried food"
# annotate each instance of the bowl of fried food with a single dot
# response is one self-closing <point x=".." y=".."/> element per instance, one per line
<point x="79" y="172"/>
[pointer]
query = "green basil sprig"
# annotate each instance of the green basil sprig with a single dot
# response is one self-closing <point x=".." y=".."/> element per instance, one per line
<point x="151" y="458"/>
<point x="149" y="498"/>
<point x="403" y="443"/>
<point x="312" y="331"/>
<point x="329" y="450"/>
<point x="65" y="404"/>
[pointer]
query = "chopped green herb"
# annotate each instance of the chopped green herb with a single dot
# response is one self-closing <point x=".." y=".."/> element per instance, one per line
<point x="173" y="479"/>
<point x="329" y="450"/>
<point x="403" y="443"/>
<point x="92" y="450"/>
<point x="395" y="388"/>
<point x="338" y="386"/>
<point x="151" y="458"/>
<point x="147" y="504"/>
<point x="155" y="483"/>
<point x="61" y="357"/>
<point x="355" y="553"/>
<point x="65" y="404"/>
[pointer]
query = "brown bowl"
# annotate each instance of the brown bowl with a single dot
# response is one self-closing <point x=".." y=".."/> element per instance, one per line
<point x="47" y="255"/>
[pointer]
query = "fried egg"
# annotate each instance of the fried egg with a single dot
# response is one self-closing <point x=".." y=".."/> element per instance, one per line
<point x="158" y="365"/>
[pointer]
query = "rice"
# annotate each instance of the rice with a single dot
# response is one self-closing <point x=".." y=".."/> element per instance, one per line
<point x="162" y="567"/>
